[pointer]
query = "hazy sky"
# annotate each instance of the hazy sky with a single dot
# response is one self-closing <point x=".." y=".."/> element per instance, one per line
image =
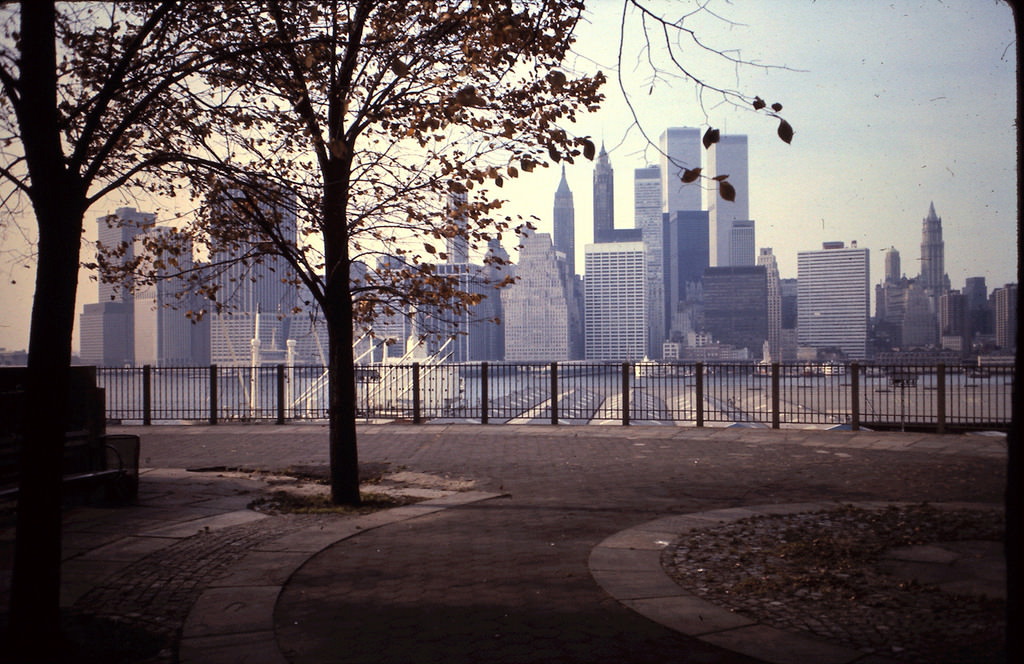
<point x="895" y="105"/>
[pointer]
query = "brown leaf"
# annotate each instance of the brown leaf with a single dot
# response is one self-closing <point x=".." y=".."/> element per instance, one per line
<point x="785" y="131"/>
<point x="588" y="149"/>
<point x="711" y="137"/>
<point x="776" y="107"/>
<point x="727" y="191"/>
<point x="690" y="175"/>
<point x="720" y="178"/>
<point x="553" y="153"/>
<point x="758" y="103"/>
<point x="399" y="67"/>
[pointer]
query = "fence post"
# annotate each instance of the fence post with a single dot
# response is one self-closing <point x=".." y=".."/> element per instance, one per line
<point x="940" y="395"/>
<point x="483" y="393"/>
<point x="554" y="392"/>
<point x="625" y="394"/>
<point x="776" y="420"/>
<point x="213" y="394"/>
<point x="280" y="394"/>
<point x="147" y="395"/>
<point x="415" y="392"/>
<point x="699" y="375"/>
<point x="854" y="396"/>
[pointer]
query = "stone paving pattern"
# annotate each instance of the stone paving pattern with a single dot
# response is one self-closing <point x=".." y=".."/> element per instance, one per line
<point x="504" y="579"/>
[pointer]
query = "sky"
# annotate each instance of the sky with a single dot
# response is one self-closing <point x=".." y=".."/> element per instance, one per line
<point x="895" y="105"/>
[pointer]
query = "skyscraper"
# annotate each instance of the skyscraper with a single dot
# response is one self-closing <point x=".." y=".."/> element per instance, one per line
<point x="163" y="335"/>
<point x="542" y="316"/>
<point x="680" y="148"/>
<point x="774" y="300"/>
<point x="647" y="216"/>
<point x="892" y="265"/>
<point x="833" y="299"/>
<point x="685" y="256"/>
<point x="615" y="309"/>
<point x="742" y="243"/>
<point x="457" y="245"/>
<point x="564" y="223"/>
<point x="933" y="270"/>
<point x="604" y="196"/>
<point x="736" y="306"/>
<point x="1005" y="314"/>
<point x="729" y="157"/>
<point x="107" y="328"/>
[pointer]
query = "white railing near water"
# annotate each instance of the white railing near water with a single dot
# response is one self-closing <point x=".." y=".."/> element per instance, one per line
<point x="937" y="397"/>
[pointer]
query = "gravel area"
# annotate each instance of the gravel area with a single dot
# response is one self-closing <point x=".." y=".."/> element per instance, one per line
<point x="824" y="573"/>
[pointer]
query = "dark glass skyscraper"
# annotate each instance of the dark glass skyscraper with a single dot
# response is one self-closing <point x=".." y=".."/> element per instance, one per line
<point x="604" y="196"/>
<point x="564" y="224"/>
<point x="736" y="306"/>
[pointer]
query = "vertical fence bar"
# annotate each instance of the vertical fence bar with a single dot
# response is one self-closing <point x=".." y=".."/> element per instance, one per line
<point x="940" y="397"/>
<point x="625" y="394"/>
<point x="213" y="394"/>
<point x="147" y="395"/>
<point x="416" y="393"/>
<point x="483" y="393"/>
<point x="554" y="393"/>
<point x="854" y="396"/>
<point x="699" y="397"/>
<point x="280" y="394"/>
<point x="775" y="396"/>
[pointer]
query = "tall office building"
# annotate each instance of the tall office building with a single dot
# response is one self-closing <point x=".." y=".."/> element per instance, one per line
<point x="833" y="299"/>
<point x="736" y="306"/>
<point x="953" y="321"/>
<point x="1005" y="315"/>
<point x="248" y="287"/>
<point x="163" y="335"/>
<point x="742" y="243"/>
<point x="542" y="314"/>
<point x="106" y="328"/>
<point x="892" y="265"/>
<point x="933" y="270"/>
<point x="774" y="300"/>
<point x="729" y="157"/>
<point x="979" y="315"/>
<point x="685" y="259"/>
<point x="789" y="294"/>
<point x="457" y="245"/>
<point x="464" y="335"/>
<point x="680" y="149"/>
<point x="604" y="196"/>
<point x="647" y="216"/>
<point x="615" y="309"/>
<point x="564" y="223"/>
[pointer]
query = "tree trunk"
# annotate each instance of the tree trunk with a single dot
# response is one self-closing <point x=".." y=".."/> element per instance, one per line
<point x="337" y="308"/>
<point x="58" y="202"/>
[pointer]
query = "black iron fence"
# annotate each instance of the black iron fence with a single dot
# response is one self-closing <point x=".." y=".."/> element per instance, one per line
<point x="938" y="398"/>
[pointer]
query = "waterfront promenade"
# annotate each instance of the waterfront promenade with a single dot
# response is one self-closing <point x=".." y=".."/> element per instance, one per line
<point x="515" y="558"/>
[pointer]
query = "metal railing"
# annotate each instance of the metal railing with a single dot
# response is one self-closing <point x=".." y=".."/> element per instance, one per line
<point x="938" y="397"/>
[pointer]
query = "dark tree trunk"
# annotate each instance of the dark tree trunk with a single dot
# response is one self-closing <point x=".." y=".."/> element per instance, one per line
<point x="344" y="452"/>
<point x="58" y="202"/>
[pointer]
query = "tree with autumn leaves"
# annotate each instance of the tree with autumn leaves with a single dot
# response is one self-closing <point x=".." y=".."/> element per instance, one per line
<point x="364" y="119"/>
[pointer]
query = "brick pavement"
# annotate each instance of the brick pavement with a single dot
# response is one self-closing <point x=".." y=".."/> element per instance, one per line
<point x="507" y="579"/>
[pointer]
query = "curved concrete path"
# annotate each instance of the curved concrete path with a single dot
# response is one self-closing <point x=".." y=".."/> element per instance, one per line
<point x="628" y="566"/>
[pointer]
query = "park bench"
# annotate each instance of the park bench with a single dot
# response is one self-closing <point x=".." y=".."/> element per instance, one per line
<point x="95" y="465"/>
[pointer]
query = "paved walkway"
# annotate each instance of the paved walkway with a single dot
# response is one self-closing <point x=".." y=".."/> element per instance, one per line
<point x="504" y="572"/>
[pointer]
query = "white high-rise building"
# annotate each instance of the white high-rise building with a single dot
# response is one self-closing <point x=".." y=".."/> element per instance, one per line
<point x="458" y="243"/>
<point x="767" y="259"/>
<point x="615" y="306"/>
<point x="542" y="314"/>
<point x="163" y="335"/>
<point x="648" y="218"/>
<point x="680" y="148"/>
<point x="728" y="157"/>
<point x="833" y="299"/>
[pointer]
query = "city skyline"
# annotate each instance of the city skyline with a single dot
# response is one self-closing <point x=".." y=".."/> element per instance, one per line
<point x="895" y="106"/>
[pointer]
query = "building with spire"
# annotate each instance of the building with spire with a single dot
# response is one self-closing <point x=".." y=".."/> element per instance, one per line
<point x="604" y="196"/>
<point x="933" y="269"/>
<point x="564" y="223"/>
